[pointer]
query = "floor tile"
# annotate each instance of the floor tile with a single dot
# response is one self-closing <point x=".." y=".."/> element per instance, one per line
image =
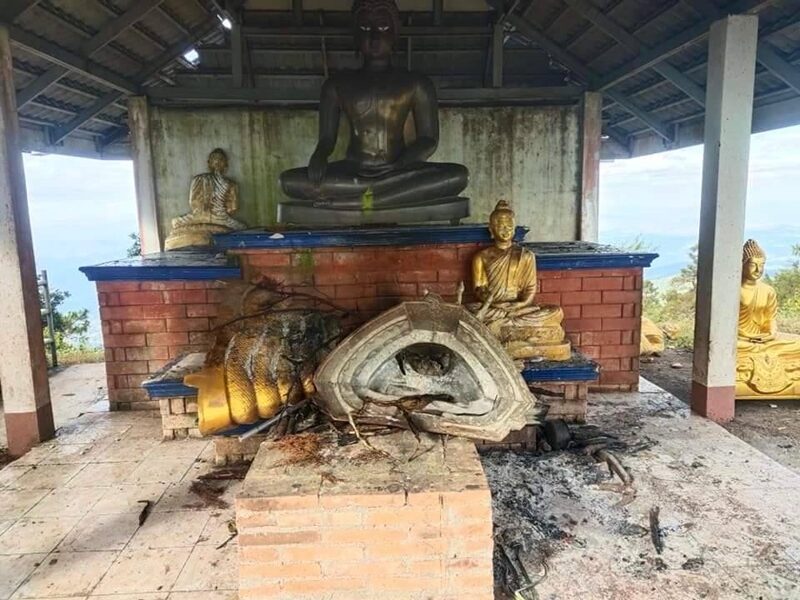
<point x="101" y="532"/>
<point x="11" y="473"/>
<point x="219" y="529"/>
<point x="67" y="574"/>
<point x="144" y="571"/>
<point x="128" y="498"/>
<point x="47" y="476"/>
<point x="218" y="595"/>
<point x="67" y="454"/>
<point x="15" y="503"/>
<point x="67" y="502"/>
<point x="145" y="596"/>
<point x="165" y="470"/>
<point x="170" y="529"/>
<point x="103" y="474"/>
<point x="14" y="568"/>
<point x="209" y="568"/>
<point x="29" y="536"/>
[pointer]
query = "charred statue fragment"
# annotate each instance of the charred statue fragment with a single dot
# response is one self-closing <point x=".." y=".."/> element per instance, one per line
<point x="429" y="366"/>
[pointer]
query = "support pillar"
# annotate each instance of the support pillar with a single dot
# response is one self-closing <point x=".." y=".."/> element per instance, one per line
<point x="729" y="110"/>
<point x="23" y="367"/>
<point x="144" y="174"/>
<point x="591" y="140"/>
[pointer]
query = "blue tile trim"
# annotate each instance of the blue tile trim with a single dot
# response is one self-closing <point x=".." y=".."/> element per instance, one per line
<point x="593" y="261"/>
<point x="169" y="389"/>
<point x="166" y="266"/>
<point x="578" y="369"/>
<point x="345" y="238"/>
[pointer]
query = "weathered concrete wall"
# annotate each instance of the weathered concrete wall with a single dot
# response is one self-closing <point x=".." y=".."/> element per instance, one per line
<point x="530" y="156"/>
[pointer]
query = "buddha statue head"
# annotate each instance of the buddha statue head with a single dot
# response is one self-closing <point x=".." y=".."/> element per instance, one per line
<point x="218" y="161"/>
<point x="377" y="25"/>
<point x="502" y="223"/>
<point x="753" y="260"/>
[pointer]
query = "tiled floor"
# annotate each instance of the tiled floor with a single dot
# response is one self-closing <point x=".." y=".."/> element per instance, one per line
<point x="69" y="517"/>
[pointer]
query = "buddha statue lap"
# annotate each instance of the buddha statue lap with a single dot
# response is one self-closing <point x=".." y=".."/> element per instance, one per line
<point x="383" y="179"/>
<point x="213" y="197"/>
<point x="504" y="282"/>
<point x="767" y="361"/>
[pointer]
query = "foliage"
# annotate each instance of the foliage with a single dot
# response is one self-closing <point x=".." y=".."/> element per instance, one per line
<point x="787" y="285"/>
<point x="70" y="329"/>
<point x="136" y="246"/>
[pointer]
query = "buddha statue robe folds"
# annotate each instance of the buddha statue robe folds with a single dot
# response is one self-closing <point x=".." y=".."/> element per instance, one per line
<point x="385" y="176"/>
<point x="504" y="282"/>
<point x="213" y="197"/>
<point x="767" y="361"/>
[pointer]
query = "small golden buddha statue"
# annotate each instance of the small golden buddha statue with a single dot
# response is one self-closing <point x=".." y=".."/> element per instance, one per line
<point x="213" y="198"/>
<point x="504" y="282"/>
<point x="767" y="361"/>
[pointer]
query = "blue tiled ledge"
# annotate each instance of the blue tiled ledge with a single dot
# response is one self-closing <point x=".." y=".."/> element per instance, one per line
<point x="577" y="369"/>
<point x="169" y="389"/>
<point x="559" y="256"/>
<point x="165" y="266"/>
<point x="345" y="238"/>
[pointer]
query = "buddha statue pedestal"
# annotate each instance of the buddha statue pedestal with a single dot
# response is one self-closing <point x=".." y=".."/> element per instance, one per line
<point x="767" y="361"/>
<point x="504" y="280"/>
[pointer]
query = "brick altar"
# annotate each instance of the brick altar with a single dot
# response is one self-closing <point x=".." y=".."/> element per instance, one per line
<point x="155" y="308"/>
<point x="319" y="520"/>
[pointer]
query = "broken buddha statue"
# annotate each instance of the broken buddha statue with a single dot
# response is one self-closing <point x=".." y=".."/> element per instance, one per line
<point x="213" y="198"/>
<point x="385" y="176"/>
<point x="504" y="282"/>
<point x="767" y="361"/>
<point x="261" y="362"/>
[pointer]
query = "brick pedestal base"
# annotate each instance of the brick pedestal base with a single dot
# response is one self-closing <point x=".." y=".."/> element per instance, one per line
<point x="317" y="520"/>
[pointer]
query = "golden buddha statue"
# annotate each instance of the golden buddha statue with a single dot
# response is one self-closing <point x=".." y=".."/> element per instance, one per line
<point x="262" y="360"/>
<point x="385" y="176"/>
<point x="767" y="361"/>
<point x="504" y="282"/>
<point x="213" y="197"/>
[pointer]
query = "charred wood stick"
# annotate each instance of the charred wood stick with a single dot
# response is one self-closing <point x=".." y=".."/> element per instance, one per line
<point x="615" y="466"/>
<point x="655" y="530"/>
<point x="145" y="512"/>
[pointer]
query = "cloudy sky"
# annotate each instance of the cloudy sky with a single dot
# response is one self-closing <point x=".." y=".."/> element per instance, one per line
<point x="83" y="210"/>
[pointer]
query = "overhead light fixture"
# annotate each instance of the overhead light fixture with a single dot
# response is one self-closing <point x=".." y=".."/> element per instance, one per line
<point x="193" y="56"/>
<point x="226" y="22"/>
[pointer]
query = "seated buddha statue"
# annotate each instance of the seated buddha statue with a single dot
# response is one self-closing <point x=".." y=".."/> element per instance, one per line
<point x="213" y="197"/>
<point x="382" y="178"/>
<point x="767" y="361"/>
<point x="504" y="282"/>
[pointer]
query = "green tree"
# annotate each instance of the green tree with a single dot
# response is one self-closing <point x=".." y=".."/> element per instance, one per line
<point x="135" y="248"/>
<point x="70" y="327"/>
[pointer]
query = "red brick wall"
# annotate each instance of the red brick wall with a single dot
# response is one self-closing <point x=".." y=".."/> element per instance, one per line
<point x="602" y="307"/>
<point x="145" y="325"/>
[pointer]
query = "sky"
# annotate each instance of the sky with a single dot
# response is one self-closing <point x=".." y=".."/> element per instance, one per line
<point x="83" y="210"/>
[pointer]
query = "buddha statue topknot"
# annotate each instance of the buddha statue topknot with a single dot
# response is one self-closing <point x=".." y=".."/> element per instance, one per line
<point x="213" y="198"/>
<point x="504" y="282"/>
<point x="384" y="178"/>
<point x="767" y="361"/>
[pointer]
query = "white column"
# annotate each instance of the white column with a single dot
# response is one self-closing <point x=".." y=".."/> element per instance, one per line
<point x="23" y="366"/>
<point x="591" y="140"/>
<point x="729" y="110"/>
<point x="144" y="174"/>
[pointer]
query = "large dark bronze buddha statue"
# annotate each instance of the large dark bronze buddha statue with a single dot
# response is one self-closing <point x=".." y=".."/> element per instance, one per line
<point x="384" y="178"/>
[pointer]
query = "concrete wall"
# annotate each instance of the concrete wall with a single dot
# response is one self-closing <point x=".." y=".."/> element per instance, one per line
<point x="528" y="155"/>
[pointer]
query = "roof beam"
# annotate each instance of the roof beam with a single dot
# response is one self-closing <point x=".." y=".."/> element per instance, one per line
<point x="533" y="33"/>
<point x="14" y="9"/>
<point x="69" y="60"/>
<point x="692" y="35"/>
<point x="632" y="43"/>
<point x="164" y="59"/>
<point x="291" y="95"/>
<point x="779" y="66"/>
<point x="105" y="36"/>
